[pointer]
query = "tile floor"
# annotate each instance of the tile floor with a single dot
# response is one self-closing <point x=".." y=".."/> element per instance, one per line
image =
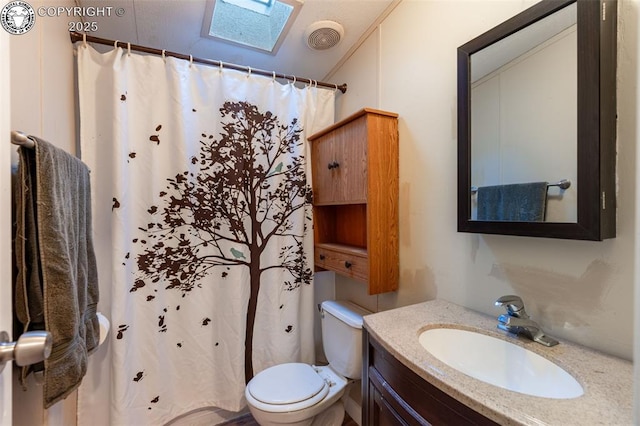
<point x="247" y="420"/>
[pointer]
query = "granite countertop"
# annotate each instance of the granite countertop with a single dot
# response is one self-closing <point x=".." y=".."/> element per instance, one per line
<point x="607" y="380"/>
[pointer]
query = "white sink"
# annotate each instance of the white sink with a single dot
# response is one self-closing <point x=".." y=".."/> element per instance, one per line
<point x="500" y="363"/>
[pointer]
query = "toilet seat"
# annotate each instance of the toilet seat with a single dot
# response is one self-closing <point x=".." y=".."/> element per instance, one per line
<point x="287" y="387"/>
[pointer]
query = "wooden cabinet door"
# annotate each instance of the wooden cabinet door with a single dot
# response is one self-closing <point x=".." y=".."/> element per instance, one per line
<point x="340" y="165"/>
<point x="383" y="414"/>
<point x="322" y="155"/>
<point x="350" y="173"/>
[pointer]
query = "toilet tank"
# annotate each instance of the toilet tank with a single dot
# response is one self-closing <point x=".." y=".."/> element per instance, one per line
<point x="342" y="336"/>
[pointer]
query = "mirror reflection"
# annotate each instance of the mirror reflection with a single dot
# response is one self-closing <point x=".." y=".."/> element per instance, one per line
<point x="524" y="124"/>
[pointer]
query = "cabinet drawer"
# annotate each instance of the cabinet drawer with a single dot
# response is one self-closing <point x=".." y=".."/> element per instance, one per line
<point x="352" y="263"/>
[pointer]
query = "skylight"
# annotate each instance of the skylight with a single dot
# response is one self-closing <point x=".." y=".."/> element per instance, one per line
<point x="257" y="24"/>
<point x="261" y="6"/>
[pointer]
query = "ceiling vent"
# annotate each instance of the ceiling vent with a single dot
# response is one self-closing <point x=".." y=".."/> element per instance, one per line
<point x="323" y="35"/>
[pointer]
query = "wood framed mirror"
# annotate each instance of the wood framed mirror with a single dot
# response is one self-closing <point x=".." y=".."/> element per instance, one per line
<point x="530" y="112"/>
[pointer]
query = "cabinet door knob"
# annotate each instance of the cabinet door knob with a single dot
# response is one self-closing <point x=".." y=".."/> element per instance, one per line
<point x="333" y="165"/>
<point x="347" y="264"/>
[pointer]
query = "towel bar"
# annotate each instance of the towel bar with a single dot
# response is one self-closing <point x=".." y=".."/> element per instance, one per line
<point x="562" y="184"/>
<point x="19" y="138"/>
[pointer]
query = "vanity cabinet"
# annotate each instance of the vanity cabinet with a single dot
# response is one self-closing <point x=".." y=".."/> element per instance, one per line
<point x="355" y="198"/>
<point x="395" y="395"/>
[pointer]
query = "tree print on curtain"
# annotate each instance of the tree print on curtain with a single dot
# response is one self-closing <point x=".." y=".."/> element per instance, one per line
<point x="241" y="195"/>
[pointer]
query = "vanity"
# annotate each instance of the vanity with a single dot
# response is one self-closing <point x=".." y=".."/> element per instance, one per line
<point x="403" y="383"/>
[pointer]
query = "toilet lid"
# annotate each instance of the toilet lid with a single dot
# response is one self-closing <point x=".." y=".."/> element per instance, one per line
<point x="287" y="384"/>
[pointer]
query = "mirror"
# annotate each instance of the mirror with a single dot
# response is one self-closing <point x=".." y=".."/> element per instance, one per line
<point x="536" y="123"/>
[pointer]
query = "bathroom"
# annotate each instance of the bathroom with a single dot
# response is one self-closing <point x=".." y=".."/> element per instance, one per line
<point x="580" y="291"/>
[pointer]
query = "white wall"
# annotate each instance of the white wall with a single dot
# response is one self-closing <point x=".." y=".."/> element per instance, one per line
<point x="42" y="104"/>
<point x="578" y="290"/>
<point x="629" y="61"/>
<point x="6" y="313"/>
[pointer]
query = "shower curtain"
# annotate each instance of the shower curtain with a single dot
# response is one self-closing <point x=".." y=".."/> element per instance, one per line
<point x="202" y="195"/>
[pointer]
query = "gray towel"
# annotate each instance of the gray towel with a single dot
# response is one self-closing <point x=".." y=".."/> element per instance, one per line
<point x="56" y="275"/>
<point x="521" y="202"/>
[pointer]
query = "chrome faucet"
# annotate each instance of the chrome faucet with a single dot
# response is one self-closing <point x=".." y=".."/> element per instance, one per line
<point x="517" y="321"/>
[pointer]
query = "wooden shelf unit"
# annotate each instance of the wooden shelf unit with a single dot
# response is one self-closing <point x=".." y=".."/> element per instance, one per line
<point x="355" y="198"/>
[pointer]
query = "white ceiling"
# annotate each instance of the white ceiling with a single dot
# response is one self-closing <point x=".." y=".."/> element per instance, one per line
<point x="176" y="25"/>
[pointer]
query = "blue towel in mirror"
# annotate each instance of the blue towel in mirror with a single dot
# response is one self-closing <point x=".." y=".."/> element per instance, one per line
<point x="520" y="202"/>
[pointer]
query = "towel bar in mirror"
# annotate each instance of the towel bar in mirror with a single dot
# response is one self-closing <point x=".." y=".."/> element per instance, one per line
<point x="562" y="184"/>
<point x="537" y="103"/>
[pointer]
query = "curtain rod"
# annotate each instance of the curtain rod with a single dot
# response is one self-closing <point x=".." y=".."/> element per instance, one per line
<point x="76" y="36"/>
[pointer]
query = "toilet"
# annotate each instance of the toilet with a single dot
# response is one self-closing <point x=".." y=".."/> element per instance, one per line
<point x="300" y="394"/>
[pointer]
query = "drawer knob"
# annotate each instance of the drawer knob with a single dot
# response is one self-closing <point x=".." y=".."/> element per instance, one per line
<point x="347" y="264"/>
<point x="322" y="257"/>
<point x="333" y="165"/>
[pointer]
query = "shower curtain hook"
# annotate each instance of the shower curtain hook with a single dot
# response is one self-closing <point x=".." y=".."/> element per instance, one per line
<point x="164" y="58"/>
<point x="336" y="89"/>
<point x="294" y="80"/>
<point x="221" y="66"/>
<point x="274" y="76"/>
<point x="84" y="39"/>
<point x="249" y="73"/>
<point x="190" y="61"/>
<point x="115" y="44"/>
<point x="128" y="49"/>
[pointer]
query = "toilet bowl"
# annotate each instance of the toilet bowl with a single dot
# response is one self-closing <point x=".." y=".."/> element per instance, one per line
<point x="300" y="394"/>
<point x="294" y="394"/>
